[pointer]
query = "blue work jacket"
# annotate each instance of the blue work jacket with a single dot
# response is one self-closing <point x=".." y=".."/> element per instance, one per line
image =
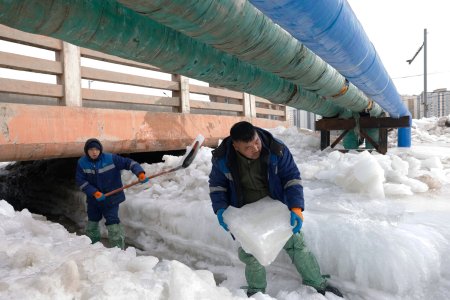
<point x="283" y="176"/>
<point x="103" y="174"/>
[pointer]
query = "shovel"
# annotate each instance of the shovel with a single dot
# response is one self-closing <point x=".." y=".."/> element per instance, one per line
<point x="188" y="158"/>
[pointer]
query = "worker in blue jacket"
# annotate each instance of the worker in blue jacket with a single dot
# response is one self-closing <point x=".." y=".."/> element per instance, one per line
<point x="97" y="174"/>
<point x="249" y="165"/>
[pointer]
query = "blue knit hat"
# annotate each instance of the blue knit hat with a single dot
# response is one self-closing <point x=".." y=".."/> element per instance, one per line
<point x="92" y="143"/>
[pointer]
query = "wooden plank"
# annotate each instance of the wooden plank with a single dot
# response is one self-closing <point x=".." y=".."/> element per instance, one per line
<point x="369" y="139"/>
<point x="266" y="111"/>
<point x="262" y="100"/>
<point x="122" y="78"/>
<point x="324" y="139"/>
<point x="206" y="90"/>
<point x="30" y="64"/>
<point x="100" y="95"/>
<point x="364" y="122"/>
<point x="88" y="53"/>
<point x="335" y="124"/>
<point x="35" y="40"/>
<point x="338" y="139"/>
<point x="23" y="87"/>
<point x="216" y="106"/>
<point x="383" y="139"/>
<point x="367" y="122"/>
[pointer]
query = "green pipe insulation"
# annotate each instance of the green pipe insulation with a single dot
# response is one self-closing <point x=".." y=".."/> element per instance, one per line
<point x="110" y="27"/>
<point x="238" y="28"/>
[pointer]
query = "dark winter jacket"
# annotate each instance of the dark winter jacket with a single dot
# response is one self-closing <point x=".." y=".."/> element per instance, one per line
<point x="103" y="174"/>
<point x="283" y="176"/>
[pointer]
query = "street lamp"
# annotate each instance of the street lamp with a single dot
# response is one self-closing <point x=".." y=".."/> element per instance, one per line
<point x="409" y="61"/>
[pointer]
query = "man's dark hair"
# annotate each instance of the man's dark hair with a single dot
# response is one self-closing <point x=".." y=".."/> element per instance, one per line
<point x="242" y="131"/>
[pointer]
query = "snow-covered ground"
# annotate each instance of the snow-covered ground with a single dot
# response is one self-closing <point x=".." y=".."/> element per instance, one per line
<point x="378" y="224"/>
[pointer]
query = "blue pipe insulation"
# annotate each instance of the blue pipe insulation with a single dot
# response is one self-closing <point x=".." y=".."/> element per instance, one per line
<point x="331" y="30"/>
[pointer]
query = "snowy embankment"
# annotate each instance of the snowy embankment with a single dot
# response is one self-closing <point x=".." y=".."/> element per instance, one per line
<point x="378" y="225"/>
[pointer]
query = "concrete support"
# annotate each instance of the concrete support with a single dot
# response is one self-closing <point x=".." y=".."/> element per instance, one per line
<point x="249" y="106"/>
<point x="286" y="114"/>
<point x="184" y="97"/>
<point x="71" y="77"/>
<point x="183" y="94"/>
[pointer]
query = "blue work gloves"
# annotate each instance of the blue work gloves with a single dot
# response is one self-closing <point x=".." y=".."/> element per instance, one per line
<point x="99" y="196"/>
<point x="142" y="178"/>
<point x="220" y="218"/>
<point x="296" y="219"/>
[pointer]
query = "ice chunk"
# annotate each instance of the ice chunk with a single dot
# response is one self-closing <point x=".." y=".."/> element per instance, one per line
<point x="262" y="228"/>
<point x="432" y="163"/>
<point x="6" y="209"/>
<point x="397" y="189"/>
<point x="364" y="175"/>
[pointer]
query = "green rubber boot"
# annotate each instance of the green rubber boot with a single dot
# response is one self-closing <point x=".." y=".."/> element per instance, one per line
<point x="116" y="236"/>
<point x="92" y="231"/>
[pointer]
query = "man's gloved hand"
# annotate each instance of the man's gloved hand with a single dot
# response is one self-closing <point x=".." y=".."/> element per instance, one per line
<point x="296" y="219"/>
<point x="142" y="178"/>
<point x="220" y="218"/>
<point x="99" y="196"/>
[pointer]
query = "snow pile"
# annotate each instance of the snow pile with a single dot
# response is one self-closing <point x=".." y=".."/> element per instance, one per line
<point x="41" y="260"/>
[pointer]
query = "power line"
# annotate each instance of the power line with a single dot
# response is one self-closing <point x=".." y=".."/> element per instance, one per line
<point x="417" y="75"/>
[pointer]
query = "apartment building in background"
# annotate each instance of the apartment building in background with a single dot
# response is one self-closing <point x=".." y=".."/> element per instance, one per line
<point x="438" y="104"/>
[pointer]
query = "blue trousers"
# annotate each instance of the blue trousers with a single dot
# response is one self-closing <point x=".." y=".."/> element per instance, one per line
<point x="97" y="210"/>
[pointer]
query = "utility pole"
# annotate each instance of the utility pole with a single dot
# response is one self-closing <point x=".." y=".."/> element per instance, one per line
<point x="425" y="100"/>
<point x="409" y="61"/>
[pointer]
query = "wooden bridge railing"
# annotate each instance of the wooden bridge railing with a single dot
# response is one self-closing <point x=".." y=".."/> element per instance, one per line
<point x="71" y="76"/>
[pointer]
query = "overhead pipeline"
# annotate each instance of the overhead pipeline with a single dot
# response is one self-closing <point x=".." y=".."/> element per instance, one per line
<point x="110" y="27"/>
<point x="238" y="28"/>
<point x="332" y="31"/>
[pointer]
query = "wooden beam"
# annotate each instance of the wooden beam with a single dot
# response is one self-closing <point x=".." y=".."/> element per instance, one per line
<point x="272" y="112"/>
<point x="35" y="40"/>
<point x="364" y="122"/>
<point x="23" y="87"/>
<point x="339" y="138"/>
<point x="29" y="64"/>
<point x="92" y="54"/>
<point x="206" y="90"/>
<point x="100" y="95"/>
<point x="368" y="138"/>
<point x="324" y="139"/>
<point x="122" y="78"/>
<point x="216" y="106"/>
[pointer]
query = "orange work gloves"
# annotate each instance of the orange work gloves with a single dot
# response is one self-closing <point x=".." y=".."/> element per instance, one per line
<point x="99" y="196"/>
<point x="296" y="219"/>
<point x="142" y="178"/>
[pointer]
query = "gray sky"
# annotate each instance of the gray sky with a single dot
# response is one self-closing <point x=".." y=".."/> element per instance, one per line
<point x="396" y="27"/>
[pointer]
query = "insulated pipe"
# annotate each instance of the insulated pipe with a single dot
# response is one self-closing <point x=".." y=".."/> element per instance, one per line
<point x="109" y="27"/>
<point x="332" y="31"/>
<point x="238" y="28"/>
